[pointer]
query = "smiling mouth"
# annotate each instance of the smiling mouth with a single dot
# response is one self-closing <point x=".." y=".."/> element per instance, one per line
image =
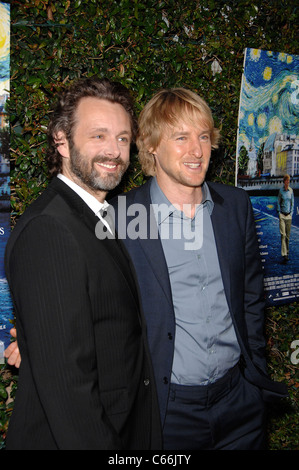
<point x="110" y="166"/>
<point x="192" y="165"/>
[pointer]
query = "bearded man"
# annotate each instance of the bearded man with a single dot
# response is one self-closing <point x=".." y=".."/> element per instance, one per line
<point x="85" y="380"/>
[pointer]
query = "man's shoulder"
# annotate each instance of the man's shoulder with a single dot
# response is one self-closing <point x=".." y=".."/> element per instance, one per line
<point x="227" y="190"/>
<point x="48" y="204"/>
<point x="42" y="203"/>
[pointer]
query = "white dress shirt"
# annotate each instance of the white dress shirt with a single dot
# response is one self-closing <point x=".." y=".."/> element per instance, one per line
<point x="93" y="203"/>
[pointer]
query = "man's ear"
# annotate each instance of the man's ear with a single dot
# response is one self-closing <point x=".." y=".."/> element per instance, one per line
<point x="62" y="144"/>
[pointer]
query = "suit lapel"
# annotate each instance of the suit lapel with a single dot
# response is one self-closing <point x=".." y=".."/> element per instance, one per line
<point x="221" y="232"/>
<point x="152" y="247"/>
<point x="116" y="250"/>
<point x="114" y="247"/>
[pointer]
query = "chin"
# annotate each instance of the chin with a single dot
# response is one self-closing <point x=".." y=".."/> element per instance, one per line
<point x="194" y="182"/>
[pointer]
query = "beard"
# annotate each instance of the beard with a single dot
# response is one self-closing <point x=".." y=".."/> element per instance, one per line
<point x="84" y="169"/>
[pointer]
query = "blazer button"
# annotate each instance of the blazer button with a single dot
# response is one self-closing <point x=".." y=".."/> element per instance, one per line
<point x="146" y="382"/>
<point x="165" y="380"/>
<point x="169" y="336"/>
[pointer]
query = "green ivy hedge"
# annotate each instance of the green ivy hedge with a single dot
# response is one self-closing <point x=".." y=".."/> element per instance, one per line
<point x="146" y="45"/>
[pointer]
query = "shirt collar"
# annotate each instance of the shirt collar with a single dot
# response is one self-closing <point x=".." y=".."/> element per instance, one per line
<point x="90" y="200"/>
<point x="158" y="197"/>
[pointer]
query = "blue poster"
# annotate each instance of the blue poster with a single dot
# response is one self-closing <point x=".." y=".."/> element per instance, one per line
<point x="5" y="300"/>
<point x="268" y="165"/>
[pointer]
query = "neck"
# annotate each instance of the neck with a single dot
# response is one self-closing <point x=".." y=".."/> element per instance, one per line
<point x="184" y="198"/>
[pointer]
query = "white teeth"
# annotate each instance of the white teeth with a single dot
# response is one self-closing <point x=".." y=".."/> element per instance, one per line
<point x="192" y="165"/>
<point x="106" y="165"/>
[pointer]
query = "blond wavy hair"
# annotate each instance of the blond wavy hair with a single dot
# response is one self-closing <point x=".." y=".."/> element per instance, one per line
<point x="167" y="109"/>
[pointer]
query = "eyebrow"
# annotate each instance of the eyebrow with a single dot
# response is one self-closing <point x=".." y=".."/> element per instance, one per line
<point x="105" y="130"/>
<point x="177" y="133"/>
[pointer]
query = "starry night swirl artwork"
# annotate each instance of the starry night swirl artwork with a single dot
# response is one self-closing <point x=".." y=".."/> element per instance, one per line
<point x="267" y="151"/>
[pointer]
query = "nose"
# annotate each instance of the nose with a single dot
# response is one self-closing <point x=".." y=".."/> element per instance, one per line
<point x="196" y="148"/>
<point x="112" y="149"/>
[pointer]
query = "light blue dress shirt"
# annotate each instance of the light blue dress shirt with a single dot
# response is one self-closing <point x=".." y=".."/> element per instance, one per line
<point x="205" y="341"/>
<point x="285" y="201"/>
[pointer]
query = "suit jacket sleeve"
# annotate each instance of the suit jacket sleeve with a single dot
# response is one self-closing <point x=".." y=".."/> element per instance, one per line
<point x="48" y="279"/>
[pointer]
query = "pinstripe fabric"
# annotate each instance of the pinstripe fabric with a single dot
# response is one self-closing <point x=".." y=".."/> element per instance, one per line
<point x="84" y="358"/>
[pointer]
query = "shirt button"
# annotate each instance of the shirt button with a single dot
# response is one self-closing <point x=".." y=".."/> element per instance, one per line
<point x="146" y="382"/>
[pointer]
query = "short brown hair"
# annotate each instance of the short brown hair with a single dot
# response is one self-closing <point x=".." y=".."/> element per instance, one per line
<point x="165" y="110"/>
<point x="64" y="113"/>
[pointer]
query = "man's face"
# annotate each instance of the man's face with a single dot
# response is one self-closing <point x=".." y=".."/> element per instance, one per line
<point x="100" y="152"/>
<point x="183" y="156"/>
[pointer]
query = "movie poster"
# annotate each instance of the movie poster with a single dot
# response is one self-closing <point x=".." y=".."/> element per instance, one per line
<point x="267" y="150"/>
<point x="5" y="300"/>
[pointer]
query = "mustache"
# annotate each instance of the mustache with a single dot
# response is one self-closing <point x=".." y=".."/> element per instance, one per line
<point x="103" y="159"/>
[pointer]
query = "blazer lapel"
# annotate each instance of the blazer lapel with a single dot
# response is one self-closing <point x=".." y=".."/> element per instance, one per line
<point x="152" y="245"/>
<point x="221" y="233"/>
<point x="116" y="251"/>
<point x="115" y="248"/>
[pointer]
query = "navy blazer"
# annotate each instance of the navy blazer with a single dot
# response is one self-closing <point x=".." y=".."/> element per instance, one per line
<point x="240" y="264"/>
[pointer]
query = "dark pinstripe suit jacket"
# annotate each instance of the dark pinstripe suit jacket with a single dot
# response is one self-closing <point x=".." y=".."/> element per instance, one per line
<point x="85" y="380"/>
